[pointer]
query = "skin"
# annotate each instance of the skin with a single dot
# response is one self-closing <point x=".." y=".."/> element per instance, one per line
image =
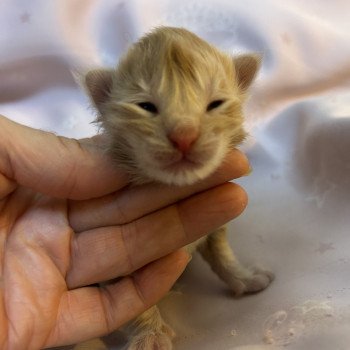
<point x="68" y="219"/>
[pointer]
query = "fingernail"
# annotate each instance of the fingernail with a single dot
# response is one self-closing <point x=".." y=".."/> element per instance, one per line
<point x="250" y="170"/>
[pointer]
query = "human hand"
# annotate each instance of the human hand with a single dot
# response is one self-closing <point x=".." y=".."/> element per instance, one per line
<point x="68" y="220"/>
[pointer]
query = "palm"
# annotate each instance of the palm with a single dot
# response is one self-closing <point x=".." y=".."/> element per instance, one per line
<point x="46" y="301"/>
<point x="35" y="264"/>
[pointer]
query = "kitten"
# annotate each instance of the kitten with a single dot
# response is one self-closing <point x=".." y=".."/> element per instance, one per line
<point x="171" y="110"/>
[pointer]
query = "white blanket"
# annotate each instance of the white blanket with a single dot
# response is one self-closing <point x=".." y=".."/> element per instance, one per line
<point x="298" y="219"/>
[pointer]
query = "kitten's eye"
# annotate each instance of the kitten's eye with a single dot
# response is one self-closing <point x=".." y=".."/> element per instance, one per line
<point x="214" y="104"/>
<point x="148" y="106"/>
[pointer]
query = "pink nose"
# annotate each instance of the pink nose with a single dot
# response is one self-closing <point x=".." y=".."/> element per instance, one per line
<point x="183" y="138"/>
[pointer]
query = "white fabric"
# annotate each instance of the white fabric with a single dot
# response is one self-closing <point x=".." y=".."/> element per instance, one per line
<point x="297" y="222"/>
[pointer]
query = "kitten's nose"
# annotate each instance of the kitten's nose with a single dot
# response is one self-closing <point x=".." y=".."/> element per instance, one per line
<point x="183" y="138"/>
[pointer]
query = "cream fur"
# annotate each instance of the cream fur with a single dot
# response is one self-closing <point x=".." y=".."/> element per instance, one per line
<point x="181" y="75"/>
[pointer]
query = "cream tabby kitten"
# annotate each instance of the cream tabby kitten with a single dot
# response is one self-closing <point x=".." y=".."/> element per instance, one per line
<point x="172" y="109"/>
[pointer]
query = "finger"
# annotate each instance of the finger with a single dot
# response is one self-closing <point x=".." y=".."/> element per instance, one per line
<point x="105" y="253"/>
<point x="91" y="312"/>
<point x="6" y="186"/>
<point x="130" y="203"/>
<point x="54" y="165"/>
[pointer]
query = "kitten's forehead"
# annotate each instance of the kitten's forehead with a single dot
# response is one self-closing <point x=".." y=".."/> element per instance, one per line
<point x="183" y="73"/>
<point x="179" y="64"/>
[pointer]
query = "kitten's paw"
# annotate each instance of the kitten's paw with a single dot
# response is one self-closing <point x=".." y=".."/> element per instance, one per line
<point x="94" y="344"/>
<point x="255" y="281"/>
<point x="168" y="331"/>
<point x="152" y="341"/>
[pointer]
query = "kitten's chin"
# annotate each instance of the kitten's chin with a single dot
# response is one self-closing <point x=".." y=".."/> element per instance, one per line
<point x="182" y="173"/>
<point x="177" y="178"/>
<point x="179" y="170"/>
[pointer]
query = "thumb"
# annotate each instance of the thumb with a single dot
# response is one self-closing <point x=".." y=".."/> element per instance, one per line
<point x="54" y="165"/>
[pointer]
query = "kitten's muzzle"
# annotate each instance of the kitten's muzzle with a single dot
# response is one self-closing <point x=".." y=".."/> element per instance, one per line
<point x="183" y="138"/>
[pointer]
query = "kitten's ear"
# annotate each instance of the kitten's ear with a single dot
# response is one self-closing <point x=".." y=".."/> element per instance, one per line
<point x="98" y="83"/>
<point x="246" y="67"/>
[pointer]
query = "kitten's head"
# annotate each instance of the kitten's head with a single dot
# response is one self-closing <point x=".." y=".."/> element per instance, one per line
<point x="173" y="106"/>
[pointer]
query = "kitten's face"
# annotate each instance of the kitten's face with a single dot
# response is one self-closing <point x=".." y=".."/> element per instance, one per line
<point x="172" y="109"/>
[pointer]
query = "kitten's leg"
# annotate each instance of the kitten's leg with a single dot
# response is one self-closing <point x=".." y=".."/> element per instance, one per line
<point x="150" y="332"/>
<point x="218" y="253"/>
<point x="94" y="344"/>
